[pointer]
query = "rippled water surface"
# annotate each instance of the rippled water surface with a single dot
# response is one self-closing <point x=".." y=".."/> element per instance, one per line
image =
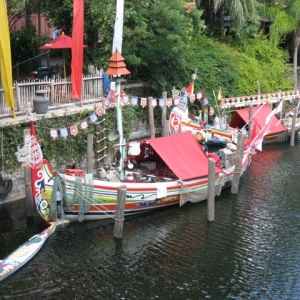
<point x="251" y="251"/>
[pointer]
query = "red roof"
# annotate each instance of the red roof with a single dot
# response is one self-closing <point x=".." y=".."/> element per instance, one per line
<point x="117" y="65"/>
<point x="260" y="113"/>
<point x="183" y="155"/>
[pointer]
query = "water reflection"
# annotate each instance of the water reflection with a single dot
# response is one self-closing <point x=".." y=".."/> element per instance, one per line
<point x="251" y="251"/>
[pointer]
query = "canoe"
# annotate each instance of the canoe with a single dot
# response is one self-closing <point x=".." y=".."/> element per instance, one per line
<point x="17" y="259"/>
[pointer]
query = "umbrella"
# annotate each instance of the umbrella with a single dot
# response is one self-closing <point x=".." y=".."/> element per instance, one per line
<point x="61" y="42"/>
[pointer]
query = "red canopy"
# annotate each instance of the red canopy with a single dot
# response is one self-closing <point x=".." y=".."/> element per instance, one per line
<point x="61" y="42"/>
<point x="183" y="155"/>
<point x="260" y="113"/>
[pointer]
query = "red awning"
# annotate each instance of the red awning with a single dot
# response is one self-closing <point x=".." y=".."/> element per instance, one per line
<point x="183" y="155"/>
<point x="260" y="113"/>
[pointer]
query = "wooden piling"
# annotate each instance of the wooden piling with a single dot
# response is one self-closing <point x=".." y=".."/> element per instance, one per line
<point x="164" y="116"/>
<point x="292" y="141"/>
<point x="241" y="138"/>
<point x="211" y="190"/>
<point x="90" y="153"/>
<point x="27" y="175"/>
<point x="250" y="119"/>
<point x="151" y="118"/>
<point x="121" y="198"/>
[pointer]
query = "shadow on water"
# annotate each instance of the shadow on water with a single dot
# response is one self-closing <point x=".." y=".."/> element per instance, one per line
<point x="250" y="251"/>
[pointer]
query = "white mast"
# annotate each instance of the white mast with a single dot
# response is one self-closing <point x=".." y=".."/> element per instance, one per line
<point x="118" y="32"/>
<point x="117" y="45"/>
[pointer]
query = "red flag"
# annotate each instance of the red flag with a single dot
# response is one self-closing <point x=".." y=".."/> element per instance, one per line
<point x="252" y="136"/>
<point x="258" y="139"/>
<point x="190" y="89"/>
<point x="77" y="49"/>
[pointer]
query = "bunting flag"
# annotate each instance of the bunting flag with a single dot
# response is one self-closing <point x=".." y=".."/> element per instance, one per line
<point x="84" y="125"/>
<point x="5" y="58"/>
<point x="258" y="139"/>
<point x="162" y="102"/>
<point x="220" y="94"/>
<point x="176" y="101"/>
<point x="134" y="100"/>
<point x="126" y="99"/>
<point x="143" y="102"/>
<point x="53" y="133"/>
<point x="111" y="96"/>
<point x="106" y="102"/>
<point x="169" y="102"/>
<point x="199" y="96"/>
<point x="74" y="130"/>
<point x="190" y="89"/>
<point x="192" y="97"/>
<point x="77" y="49"/>
<point x="93" y="118"/>
<point x="99" y="111"/>
<point x="154" y="102"/>
<point x="205" y="101"/>
<point x="64" y="133"/>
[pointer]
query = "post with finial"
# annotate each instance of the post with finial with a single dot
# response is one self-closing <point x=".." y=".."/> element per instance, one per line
<point x="211" y="190"/>
<point x="164" y="116"/>
<point x="292" y="141"/>
<point x="119" y="222"/>
<point x="241" y="138"/>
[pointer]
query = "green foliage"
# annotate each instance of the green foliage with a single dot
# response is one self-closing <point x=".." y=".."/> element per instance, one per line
<point x="62" y="151"/>
<point x="163" y="46"/>
<point x="24" y="47"/>
<point x="266" y="63"/>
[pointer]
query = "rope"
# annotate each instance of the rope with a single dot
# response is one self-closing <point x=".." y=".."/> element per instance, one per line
<point x="79" y="193"/>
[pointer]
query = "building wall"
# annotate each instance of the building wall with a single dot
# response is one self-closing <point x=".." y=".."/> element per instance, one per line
<point x="46" y="28"/>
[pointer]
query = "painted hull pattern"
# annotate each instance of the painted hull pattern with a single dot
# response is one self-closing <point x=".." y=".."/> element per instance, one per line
<point x="141" y="197"/>
<point x="24" y="253"/>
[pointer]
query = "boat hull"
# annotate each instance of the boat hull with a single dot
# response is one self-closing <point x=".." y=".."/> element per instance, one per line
<point x="100" y="197"/>
<point x="24" y="253"/>
<point x="226" y="136"/>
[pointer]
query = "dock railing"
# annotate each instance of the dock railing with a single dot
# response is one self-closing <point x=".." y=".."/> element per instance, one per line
<point x="58" y="91"/>
<point x="243" y="101"/>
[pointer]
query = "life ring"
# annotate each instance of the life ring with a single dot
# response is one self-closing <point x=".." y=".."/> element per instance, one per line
<point x="5" y="186"/>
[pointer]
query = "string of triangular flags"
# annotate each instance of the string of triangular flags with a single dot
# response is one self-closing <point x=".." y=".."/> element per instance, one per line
<point x="110" y="101"/>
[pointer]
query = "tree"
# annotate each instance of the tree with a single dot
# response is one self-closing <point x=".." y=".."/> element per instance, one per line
<point x="286" y="21"/>
<point x="239" y="10"/>
<point x="169" y="26"/>
<point x="15" y="10"/>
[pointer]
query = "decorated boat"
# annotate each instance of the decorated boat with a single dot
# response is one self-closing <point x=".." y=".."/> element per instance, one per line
<point x="24" y="253"/>
<point x="279" y="130"/>
<point x="158" y="173"/>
